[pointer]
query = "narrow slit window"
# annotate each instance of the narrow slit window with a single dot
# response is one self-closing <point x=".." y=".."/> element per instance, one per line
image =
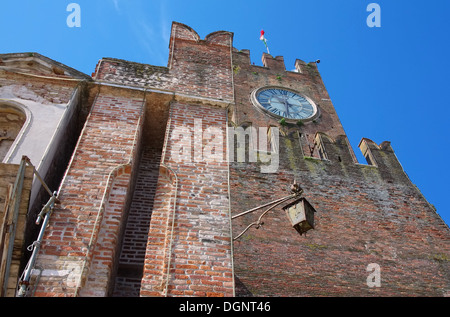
<point x="369" y="161"/>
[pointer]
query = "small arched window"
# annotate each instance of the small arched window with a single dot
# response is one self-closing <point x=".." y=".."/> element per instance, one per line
<point x="12" y="120"/>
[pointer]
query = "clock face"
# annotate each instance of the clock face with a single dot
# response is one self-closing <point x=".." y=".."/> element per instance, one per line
<point x="283" y="103"/>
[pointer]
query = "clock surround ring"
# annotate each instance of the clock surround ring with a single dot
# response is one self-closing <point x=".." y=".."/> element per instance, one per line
<point x="262" y="109"/>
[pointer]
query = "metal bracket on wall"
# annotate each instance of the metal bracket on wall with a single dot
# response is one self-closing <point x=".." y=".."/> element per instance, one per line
<point x="296" y="192"/>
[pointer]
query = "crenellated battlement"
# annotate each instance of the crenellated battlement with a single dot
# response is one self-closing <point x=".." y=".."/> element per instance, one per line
<point x="326" y="156"/>
<point x="181" y="31"/>
<point x="277" y="63"/>
<point x="338" y="152"/>
<point x="335" y="149"/>
<point x="383" y="157"/>
<point x="196" y="68"/>
<point x="202" y="67"/>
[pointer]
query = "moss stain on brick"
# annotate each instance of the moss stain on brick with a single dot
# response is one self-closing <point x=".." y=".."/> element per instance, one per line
<point x="370" y="173"/>
<point x="315" y="246"/>
<point x="290" y="154"/>
<point x="440" y="257"/>
<point x="313" y="164"/>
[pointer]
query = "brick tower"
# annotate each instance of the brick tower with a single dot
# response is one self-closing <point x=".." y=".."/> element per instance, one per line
<point x="367" y="215"/>
<point x="169" y="156"/>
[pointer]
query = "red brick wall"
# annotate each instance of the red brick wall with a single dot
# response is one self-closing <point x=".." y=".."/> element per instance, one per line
<point x="99" y="281"/>
<point x="194" y="190"/>
<point x="108" y="142"/>
<point x="132" y="256"/>
<point x="365" y="214"/>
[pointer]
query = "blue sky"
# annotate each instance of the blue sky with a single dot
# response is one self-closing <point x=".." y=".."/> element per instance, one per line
<point x="387" y="83"/>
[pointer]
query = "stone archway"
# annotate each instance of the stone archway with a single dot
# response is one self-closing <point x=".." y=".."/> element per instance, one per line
<point x="12" y="120"/>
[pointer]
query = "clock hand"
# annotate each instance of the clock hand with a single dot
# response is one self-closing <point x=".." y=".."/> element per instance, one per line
<point x="293" y="106"/>
<point x="287" y="107"/>
<point x="284" y="101"/>
<point x="280" y="102"/>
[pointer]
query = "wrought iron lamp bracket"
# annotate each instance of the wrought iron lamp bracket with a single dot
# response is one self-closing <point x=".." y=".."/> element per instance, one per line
<point x="296" y="193"/>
